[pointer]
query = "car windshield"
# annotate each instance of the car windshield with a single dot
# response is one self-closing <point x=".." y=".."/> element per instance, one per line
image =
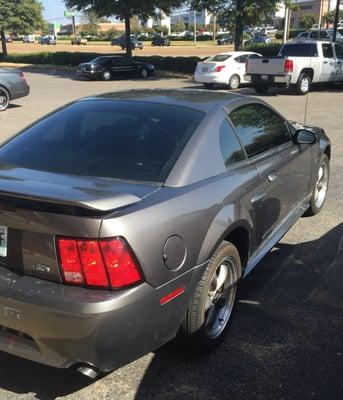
<point x="299" y="50"/>
<point x="219" y="57"/>
<point x="127" y="140"/>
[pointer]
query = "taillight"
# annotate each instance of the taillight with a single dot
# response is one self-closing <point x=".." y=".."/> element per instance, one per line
<point x="288" y="65"/>
<point x="219" y="68"/>
<point x="22" y="76"/>
<point x="107" y="263"/>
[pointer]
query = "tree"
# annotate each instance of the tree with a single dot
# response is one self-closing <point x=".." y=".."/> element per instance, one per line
<point x="178" y="27"/>
<point x="306" y="21"/>
<point x="329" y="18"/>
<point x="125" y="9"/>
<point x="238" y="13"/>
<point x="19" y="17"/>
<point x="135" y="25"/>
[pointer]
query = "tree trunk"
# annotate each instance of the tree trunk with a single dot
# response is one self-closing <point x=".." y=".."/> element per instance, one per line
<point x="239" y="33"/>
<point x="239" y="29"/>
<point x="128" y="33"/>
<point x="3" y="43"/>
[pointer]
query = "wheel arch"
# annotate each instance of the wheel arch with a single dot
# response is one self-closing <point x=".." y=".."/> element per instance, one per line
<point x="308" y="71"/>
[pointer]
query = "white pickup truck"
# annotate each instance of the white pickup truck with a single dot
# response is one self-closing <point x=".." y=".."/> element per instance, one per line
<point x="298" y="65"/>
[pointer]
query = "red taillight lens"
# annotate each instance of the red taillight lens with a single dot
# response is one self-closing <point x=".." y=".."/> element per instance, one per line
<point x="98" y="263"/>
<point x="288" y="65"/>
<point x="219" y="68"/>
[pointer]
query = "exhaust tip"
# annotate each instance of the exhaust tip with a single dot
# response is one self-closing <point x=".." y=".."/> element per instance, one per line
<point x="88" y="371"/>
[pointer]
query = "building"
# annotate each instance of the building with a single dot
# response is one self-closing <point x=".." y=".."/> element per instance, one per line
<point x="187" y="17"/>
<point x="317" y="8"/>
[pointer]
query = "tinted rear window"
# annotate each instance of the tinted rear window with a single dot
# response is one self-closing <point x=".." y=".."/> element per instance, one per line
<point x="299" y="50"/>
<point x="107" y="138"/>
<point x="219" y="58"/>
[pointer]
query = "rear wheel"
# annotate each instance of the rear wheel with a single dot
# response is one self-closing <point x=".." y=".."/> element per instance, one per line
<point x="261" y="88"/>
<point x="4" y="99"/>
<point x="234" y="82"/>
<point x="209" y="86"/>
<point x="212" y="303"/>
<point x="106" y="75"/>
<point x="303" y="85"/>
<point x="320" y="187"/>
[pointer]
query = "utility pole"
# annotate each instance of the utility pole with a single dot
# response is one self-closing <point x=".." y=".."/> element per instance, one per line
<point x="195" y="28"/>
<point x="214" y="27"/>
<point x="336" y="20"/>
<point x="285" y="26"/>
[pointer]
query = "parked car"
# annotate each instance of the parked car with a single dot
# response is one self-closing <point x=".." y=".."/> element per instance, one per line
<point x="8" y="39"/>
<point x="223" y="69"/>
<point x="227" y="39"/>
<point x="115" y="240"/>
<point x="107" y="67"/>
<point x="49" y="40"/>
<point x="160" y="41"/>
<point x="78" y="40"/>
<point x="316" y="34"/>
<point x="298" y="65"/>
<point x="258" y="40"/>
<point x="135" y="44"/>
<point x="13" y="85"/>
<point x="29" y="39"/>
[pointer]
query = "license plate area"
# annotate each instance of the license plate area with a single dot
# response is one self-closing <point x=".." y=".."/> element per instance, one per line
<point x="204" y="69"/>
<point x="264" y="77"/>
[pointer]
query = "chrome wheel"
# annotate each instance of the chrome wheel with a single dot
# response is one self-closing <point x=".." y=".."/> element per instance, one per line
<point x="4" y="100"/>
<point x="304" y="85"/>
<point x="321" y="186"/>
<point x="144" y="73"/>
<point x="234" y="82"/>
<point x="220" y="297"/>
<point x="106" y="76"/>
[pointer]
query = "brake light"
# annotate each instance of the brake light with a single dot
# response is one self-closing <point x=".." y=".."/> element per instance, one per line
<point x="288" y="65"/>
<point x="107" y="263"/>
<point x="219" y="68"/>
<point x="22" y="76"/>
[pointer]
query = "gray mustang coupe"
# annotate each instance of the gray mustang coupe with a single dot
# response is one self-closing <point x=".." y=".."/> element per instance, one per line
<point x="130" y="217"/>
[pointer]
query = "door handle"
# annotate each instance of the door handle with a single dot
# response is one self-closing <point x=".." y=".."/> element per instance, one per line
<point x="272" y="176"/>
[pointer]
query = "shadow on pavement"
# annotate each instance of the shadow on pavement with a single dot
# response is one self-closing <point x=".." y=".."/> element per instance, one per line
<point x="285" y="341"/>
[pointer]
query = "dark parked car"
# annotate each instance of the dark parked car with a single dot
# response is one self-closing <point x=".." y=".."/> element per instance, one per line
<point x="121" y="42"/>
<point x="13" y="85"/>
<point x="127" y="218"/>
<point x="108" y="67"/>
<point x="49" y="40"/>
<point x="227" y="39"/>
<point x="160" y="41"/>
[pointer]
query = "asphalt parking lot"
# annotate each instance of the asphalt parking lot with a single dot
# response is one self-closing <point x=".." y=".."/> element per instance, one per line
<point x="286" y="338"/>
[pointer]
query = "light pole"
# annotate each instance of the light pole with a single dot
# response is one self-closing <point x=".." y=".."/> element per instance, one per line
<point x="195" y="27"/>
<point x="336" y="20"/>
<point x="285" y="26"/>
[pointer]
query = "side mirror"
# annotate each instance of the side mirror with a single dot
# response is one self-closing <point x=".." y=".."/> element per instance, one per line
<point x="304" y="136"/>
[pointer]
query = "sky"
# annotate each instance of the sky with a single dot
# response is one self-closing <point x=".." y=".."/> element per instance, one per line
<point x="54" y="9"/>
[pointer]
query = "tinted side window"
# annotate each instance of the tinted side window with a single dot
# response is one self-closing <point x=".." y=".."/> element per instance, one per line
<point x="339" y="50"/>
<point x="327" y="50"/>
<point x="259" y="128"/>
<point x="229" y="145"/>
<point x="299" y="50"/>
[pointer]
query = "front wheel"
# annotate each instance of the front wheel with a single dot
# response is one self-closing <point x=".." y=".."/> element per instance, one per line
<point x="4" y="99"/>
<point x="106" y="76"/>
<point x="144" y="73"/>
<point x="320" y="187"/>
<point x="210" y="310"/>
<point x="303" y="85"/>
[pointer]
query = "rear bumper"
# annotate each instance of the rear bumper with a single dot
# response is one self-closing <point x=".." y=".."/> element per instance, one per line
<point x="61" y="325"/>
<point x="211" y="78"/>
<point x="268" y="79"/>
<point x="22" y="91"/>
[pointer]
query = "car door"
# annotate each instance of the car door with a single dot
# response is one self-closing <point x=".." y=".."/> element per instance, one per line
<point x="328" y="72"/>
<point x="239" y="65"/>
<point x="284" y="167"/>
<point x="339" y="61"/>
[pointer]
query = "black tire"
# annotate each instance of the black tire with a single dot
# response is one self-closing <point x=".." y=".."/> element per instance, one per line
<point x="303" y="86"/>
<point x="204" y="330"/>
<point x="261" y="88"/>
<point x="4" y="99"/>
<point x="317" y="203"/>
<point x="234" y="82"/>
<point x="209" y="86"/>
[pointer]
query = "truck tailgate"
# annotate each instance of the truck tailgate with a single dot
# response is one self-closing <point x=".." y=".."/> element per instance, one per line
<point x="266" y="66"/>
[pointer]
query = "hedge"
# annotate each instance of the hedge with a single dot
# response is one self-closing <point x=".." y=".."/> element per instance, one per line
<point x="292" y="33"/>
<point x="267" y="50"/>
<point x="174" y="64"/>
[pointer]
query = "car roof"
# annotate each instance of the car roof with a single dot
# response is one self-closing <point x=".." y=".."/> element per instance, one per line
<point x="197" y="99"/>
<point x="235" y="53"/>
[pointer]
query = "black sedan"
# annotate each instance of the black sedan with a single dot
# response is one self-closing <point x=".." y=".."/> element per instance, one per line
<point x="107" y="67"/>
<point x="160" y="41"/>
